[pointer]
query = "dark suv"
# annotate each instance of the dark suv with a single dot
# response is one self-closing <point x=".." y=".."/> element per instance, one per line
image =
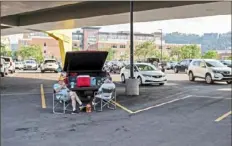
<point x="182" y="66"/>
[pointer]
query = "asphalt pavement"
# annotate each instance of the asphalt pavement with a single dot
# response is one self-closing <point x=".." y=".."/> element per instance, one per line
<point x="180" y="113"/>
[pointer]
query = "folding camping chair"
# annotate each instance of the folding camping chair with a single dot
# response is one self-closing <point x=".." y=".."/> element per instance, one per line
<point x="63" y="105"/>
<point x="107" y="97"/>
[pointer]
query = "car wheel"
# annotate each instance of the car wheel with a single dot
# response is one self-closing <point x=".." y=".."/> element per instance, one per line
<point x="140" y="81"/>
<point x="208" y="79"/>
<point x="11" y="71"/>
<point x="191" y="76"/>
<point x="176" y="70"/>
<point x="2" y="74"/>
<point x="42" y="71"/>
<point x="161" y="84"/>
<point x="229" y="82"/>
<point x="123" y="78"/>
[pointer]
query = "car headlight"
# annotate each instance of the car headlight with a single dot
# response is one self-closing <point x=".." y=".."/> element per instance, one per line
<point x="216" y="71"/>
<point x="146" y="75"/>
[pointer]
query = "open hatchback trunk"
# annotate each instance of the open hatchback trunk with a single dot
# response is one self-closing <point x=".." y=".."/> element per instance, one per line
<point x="84" y="71"/>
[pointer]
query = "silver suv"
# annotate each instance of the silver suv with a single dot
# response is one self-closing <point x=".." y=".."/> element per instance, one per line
<point x="209" y="69"/>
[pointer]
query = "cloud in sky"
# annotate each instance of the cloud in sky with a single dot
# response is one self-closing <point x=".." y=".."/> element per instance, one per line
<point x="200" y="25"/>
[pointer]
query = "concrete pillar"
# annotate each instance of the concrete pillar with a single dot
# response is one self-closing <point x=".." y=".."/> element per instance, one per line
<point x="132" y="87"/>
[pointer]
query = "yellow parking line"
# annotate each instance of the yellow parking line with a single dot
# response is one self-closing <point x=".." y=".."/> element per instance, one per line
<point x="43" y="102"/>
<point x="223" y="116"/>
<point x="122" y="107"/>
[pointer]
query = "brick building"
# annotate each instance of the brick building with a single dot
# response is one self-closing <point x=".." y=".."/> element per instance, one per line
<point x="90" y="38"/>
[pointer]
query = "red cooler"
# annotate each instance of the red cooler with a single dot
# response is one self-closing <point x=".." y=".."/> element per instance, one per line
<point x="83" y="81"/>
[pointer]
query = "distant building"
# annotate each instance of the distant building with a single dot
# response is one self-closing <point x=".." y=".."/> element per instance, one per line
<point x="91" y="38"/>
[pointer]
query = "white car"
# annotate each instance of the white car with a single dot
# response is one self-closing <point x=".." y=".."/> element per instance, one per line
<point x="209" y="69"/>
<point x="3" y="68"/>
<point x="49" y="65"/>
<point x="19" y="65"/>
<point x="146" y="73"/>
<point x="9" y="63"/>
<point x="30" y="65"/>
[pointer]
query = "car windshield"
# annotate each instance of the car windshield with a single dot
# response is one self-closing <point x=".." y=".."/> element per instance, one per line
<point x="229" y="62"/>
<point x="214" y="63"/>
<point x="143" y="67"/>
<point x="7" y="59"/>
<point x="50" y="61"/>
<point x="29" y="61"/>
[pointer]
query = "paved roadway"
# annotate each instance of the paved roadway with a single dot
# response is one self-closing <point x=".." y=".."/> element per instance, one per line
<point x="180" y="113"/>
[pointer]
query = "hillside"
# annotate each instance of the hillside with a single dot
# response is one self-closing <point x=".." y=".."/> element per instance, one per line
<point x="208" y="40"/>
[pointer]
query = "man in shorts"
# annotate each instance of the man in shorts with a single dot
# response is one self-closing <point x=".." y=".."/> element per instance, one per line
<point x="64" y="94"/>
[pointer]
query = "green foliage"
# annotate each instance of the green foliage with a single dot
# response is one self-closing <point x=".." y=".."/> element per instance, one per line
<point x="111" y="53"/>
<point x="5" y="51"/>
<point x="33" y="51"/>
<point x="211" y="54"/>
<point x="76" y="49"/>
<point x="146" y="50"/>
<point x="185" y="52"/>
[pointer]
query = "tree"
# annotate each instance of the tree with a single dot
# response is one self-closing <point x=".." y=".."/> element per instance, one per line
<point x="5" y="51"/>
<point x="111" y="53"/>
<point x="33" y="51"/>
<point x="145" y="50"/>
<point x="186" y="51"/>
<point x="211" y="54"/>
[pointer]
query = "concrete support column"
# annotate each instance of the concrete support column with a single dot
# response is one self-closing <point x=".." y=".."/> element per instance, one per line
<point x="132" y="87"/>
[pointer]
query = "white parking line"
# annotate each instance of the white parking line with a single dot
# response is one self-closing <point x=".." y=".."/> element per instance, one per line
<point x="218" y="97"/>
<point x="161" y="104"/>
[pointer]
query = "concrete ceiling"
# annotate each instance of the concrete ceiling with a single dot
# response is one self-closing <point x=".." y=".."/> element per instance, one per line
<point x="108" y="13"/>
<point x="17" y="7"/>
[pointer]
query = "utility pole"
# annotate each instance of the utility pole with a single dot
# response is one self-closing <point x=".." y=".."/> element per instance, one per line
<point x="161" y="45"/>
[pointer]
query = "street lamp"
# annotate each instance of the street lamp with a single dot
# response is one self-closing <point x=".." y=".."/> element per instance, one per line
<point x="161" y="45"/>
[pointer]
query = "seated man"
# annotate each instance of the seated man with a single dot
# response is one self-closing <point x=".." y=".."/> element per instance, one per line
<point x="64" y="94"/>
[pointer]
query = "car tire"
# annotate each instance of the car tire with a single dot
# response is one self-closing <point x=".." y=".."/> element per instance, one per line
<point x="56" y="71"/>
<point x="191" y="76"/>
<point x="229" y="82"/>
<point x="11" y="71"/>
<point x="208" y="79"/>
<point x="2" y="74"/>
<point x="161" y="84"/>
<point x="42" y="71"/>
<point x="123" y="79"/>
<point x="140" y="81"/>
<point x="176" y="70"/>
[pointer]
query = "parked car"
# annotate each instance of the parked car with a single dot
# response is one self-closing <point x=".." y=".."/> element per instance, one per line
<point x="209" y="69"/>
<point x="172" y="64"/>
<point x="30" y="65"/>
<point x="49" y="65"/>
<point x="88" y="64"/>
<point x="3" y="68"/>
<point x="19" y="65"/>
<point x="182" y="66"/>
<point x="227" y="63"/>
<point x="146" y="73"/>
<point x="9" y="63"/>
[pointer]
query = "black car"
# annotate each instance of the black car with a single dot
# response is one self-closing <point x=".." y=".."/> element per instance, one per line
<point x="182" y="66"/>
<point x="227" y="63"/>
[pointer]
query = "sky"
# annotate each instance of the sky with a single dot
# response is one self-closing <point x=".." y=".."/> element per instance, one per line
<point x="200" y="25"/>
